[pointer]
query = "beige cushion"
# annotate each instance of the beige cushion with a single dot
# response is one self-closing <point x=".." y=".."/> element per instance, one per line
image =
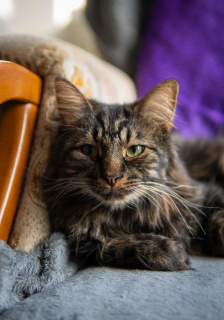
<point x="95" y="78"/>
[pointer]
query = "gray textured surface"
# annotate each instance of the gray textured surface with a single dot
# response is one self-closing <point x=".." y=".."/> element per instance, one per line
<point x="23" y="274"/>
<point x="107" y="293"/>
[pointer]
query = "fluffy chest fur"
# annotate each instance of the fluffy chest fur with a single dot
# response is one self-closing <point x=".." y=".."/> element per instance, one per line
<point x="116" y="185"/>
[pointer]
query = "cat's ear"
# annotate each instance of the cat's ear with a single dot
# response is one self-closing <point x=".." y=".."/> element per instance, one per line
<point x="72" y="105"/>
<point x="159" y="104"/>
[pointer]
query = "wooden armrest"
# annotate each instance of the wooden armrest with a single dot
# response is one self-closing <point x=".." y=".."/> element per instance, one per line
<point x="20" y="90"/>
<point x="18" y="83"/>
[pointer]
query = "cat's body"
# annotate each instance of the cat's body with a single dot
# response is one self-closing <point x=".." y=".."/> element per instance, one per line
<point x="117" y="187"/>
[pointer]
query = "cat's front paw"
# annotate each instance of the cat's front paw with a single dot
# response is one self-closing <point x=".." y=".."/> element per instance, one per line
<point x="165" y="254"/>
<point x="216" y="234"/>
<point x="180" y="259"/>
<point x="145" y="251"/>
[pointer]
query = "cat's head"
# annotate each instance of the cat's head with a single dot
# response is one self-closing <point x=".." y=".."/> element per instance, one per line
<point x="107" y="152"/>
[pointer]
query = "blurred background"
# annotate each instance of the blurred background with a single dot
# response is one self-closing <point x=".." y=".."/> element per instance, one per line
<point x="151" y="40"/>
<point x="109" y="29"/>
<point x="64" y="19"/>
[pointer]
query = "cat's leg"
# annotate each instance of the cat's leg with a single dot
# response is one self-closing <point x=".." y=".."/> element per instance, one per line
<point x="144" y="251"/>
<point x="214" y="221"/>
<point x="216" y="233"/>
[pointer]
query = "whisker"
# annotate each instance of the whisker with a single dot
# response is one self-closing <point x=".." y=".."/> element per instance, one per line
<point x="172" y="194"/>
<point x="177" y="210"/>
<point x="97" y="206"/>
<point x="152" y="199"/>
<point x="170" y="189"/>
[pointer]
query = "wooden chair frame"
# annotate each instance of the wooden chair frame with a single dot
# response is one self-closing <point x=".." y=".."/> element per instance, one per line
<point x="20" y="94"/>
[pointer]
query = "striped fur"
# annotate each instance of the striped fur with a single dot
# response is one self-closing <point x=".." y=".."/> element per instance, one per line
<point x="139" y="212"/>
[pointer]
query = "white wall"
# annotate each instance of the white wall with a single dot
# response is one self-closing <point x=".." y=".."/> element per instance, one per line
<point x="35" y="16"/>
<point x="49" y="17"/>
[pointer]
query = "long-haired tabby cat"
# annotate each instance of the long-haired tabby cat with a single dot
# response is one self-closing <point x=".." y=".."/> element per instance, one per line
<point x="121" y="190"/>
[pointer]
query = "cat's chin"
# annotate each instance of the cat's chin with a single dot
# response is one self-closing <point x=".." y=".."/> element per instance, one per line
<point x="117" y="201"/>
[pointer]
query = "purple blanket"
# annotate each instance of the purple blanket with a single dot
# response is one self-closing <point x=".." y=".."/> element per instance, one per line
<point x="184" y="40"/>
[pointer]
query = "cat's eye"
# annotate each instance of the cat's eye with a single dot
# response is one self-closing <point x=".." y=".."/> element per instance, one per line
<point x="90" y="151"/>
<point x="134" y="151"/>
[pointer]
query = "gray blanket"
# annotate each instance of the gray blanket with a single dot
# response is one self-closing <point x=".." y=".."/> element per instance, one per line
<point x="22" y="274"/>
<point x="45" y="284"/>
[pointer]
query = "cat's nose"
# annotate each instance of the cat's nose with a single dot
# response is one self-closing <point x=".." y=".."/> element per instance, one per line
<point x="112" y="179"/>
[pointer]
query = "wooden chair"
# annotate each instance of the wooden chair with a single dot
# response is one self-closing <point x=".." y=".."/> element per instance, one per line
<point x="20" y="93"/>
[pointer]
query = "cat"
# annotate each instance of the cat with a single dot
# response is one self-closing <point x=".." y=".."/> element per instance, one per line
<point x="125" y="190"/>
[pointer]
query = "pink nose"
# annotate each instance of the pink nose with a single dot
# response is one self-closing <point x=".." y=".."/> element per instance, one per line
<point x="112" y="179"/>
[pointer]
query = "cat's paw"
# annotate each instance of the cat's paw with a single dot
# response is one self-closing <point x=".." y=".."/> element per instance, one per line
<point x="166" y="254"/>
<point x="180" y="259"/>
<point x="145" y="251"/>
<point x="216" y="234"/>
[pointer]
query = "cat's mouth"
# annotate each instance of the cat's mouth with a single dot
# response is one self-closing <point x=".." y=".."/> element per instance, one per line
<point x="115" y="199"/>
<point x="119" y="201"/>
<point x="113" y="195"/>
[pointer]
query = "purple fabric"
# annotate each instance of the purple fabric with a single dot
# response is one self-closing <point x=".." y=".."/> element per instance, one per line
<point x="185" y="40"/>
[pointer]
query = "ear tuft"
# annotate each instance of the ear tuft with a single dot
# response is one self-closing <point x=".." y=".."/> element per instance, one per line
<point x="159" y="104"/>
<point x="72" y="105"/>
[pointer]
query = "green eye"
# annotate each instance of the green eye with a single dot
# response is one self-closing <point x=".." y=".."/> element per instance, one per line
<point x="90" y="151"/>
<point x="134" y="151"/>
